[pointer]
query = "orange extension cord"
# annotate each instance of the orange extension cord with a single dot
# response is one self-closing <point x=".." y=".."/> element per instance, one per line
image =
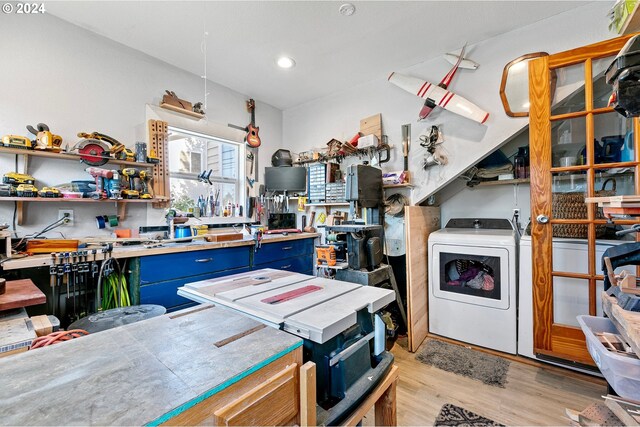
<point x="57" y="337"/>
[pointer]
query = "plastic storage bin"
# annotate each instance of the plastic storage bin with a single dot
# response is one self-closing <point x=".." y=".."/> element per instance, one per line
<point x="622" y="373"/>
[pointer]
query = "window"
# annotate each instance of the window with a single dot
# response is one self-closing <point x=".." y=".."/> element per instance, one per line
<point x="205" y="171"/>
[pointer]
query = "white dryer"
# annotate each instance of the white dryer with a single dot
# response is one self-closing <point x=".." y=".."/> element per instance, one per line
<point x="473" y="282"/>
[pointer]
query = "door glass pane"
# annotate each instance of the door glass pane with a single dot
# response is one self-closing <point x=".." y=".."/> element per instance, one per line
<point x="599" y="289"/>
<point x="568" y="141"/>
<point x="571" y="256"/>
<point x="601" y="90"/>
<point x="470" y="275"/>
<point x="570" y="299"/>
<point x="611" y="130"/>
<point x="568" y="195"/>
<point x="614" y="182"/>
<point x="569" y="93"/>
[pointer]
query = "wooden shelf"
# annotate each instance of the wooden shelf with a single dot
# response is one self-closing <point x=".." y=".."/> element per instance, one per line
<point x="181" y="111"/>
<point x="83" y="200"/>
<point x="121" y="204"/>
<point x="338" y="266"/>
<point x="68" y="156"/>
<point x="403" y="185"/>
<point x="328" y="204"/>
<point x="504" y="182"/>
<point x="324" y="158"/>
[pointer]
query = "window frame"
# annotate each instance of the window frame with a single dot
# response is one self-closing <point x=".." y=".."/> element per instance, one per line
<point x="240" y="167"/>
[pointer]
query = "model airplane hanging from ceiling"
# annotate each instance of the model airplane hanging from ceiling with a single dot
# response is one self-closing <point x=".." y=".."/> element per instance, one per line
<point x="439" y="96"/>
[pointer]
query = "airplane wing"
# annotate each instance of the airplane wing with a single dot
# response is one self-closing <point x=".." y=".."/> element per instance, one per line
<point x="452" y="58"/>
<point x="440" y="97"/>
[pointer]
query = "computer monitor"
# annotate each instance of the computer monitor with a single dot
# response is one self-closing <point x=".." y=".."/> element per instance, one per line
<point x="289" y="179"/>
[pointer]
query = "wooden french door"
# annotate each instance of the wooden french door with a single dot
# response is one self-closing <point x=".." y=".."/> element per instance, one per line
<point x="577" y="143"/>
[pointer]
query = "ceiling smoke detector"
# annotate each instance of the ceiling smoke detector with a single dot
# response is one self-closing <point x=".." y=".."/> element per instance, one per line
<point x="347" y="9"/>
<point x="286" y="62"/>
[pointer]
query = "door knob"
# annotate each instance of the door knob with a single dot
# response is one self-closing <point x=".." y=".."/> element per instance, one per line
<point x="542" y="219"/>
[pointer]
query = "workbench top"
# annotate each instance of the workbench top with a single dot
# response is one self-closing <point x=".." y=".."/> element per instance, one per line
<point x="141" y="373"/>
<point x="139" y="250"/>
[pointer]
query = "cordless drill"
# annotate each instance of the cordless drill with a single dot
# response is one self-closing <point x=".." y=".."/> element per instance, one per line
<point x="145" y="190"/>
<point x="130" y="174"/>
<point x="99" y="175"/>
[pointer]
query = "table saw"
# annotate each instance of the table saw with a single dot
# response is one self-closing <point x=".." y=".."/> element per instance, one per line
<point x="339" y="322"/>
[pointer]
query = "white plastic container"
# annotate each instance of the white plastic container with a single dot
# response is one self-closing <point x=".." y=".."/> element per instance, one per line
<point x="622" y="373"/>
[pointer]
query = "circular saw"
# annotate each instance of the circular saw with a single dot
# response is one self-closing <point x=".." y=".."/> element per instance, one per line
<point x="93" y="151"/>
<point x="96" y="148"/>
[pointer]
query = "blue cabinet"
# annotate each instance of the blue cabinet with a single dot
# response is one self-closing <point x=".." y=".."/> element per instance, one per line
<point x="161" y="275"/>
<point x="157" y="268"/>
<point x="281" y="250"/>
<point x="303" y="264"/>
<point x="292" y="255"/>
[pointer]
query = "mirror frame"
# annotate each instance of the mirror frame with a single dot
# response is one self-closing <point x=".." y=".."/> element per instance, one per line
<point x="503" y="82"/>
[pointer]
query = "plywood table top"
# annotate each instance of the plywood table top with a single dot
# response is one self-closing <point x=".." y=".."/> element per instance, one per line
<point x="21" y="293"/>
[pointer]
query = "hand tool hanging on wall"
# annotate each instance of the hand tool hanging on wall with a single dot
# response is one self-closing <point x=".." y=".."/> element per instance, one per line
<point x="406" y="139"/>
<point x="53" y="281"/>
<point x="310" y="228"/>
<point x="433" y="143"/>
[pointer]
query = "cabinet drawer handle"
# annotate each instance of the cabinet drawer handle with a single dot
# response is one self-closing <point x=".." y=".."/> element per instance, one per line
<point x="204" y="260"/>
<point x="286" y="248"/>
<point x="285" y="267"/>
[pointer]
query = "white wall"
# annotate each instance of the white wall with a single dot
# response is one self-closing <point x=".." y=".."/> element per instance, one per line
<point x="460" y="201"/>
<point x="337" y="116"/>
<point x="75" y="80"/>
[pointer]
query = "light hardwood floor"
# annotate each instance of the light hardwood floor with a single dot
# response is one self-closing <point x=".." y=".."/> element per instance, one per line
<point x="533" y="395"/>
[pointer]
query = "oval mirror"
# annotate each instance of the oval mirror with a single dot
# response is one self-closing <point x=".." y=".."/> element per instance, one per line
<point x="514" y="87"/>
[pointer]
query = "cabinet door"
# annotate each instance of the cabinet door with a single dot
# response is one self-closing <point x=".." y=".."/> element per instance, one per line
<point x="158" y="268"/>
<point x="281" y="250"/>
<point x="577" y="148"/>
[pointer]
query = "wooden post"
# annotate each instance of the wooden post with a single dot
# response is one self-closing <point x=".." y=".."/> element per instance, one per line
<point x="308" y="394"/>
<point x="386" y="406"/>
<point x="20" y="208"/>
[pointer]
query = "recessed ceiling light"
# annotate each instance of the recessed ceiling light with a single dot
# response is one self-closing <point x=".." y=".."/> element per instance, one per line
<point x="347" y="9"/>
<point x="286" y="62"/>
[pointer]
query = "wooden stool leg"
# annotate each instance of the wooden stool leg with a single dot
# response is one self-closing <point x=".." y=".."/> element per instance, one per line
<point x="386" y="407"/>
<point x="308" y="394"/>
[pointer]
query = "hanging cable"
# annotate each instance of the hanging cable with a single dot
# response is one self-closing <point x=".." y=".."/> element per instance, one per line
<point x="203" y="49"/>
<point x="53" y="225"/>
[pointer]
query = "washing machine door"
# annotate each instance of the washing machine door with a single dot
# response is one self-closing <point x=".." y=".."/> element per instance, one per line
<point x="470" y="274"/>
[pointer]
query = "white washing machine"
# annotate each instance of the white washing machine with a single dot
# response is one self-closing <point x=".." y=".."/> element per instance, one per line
<point x="473" y="282"/>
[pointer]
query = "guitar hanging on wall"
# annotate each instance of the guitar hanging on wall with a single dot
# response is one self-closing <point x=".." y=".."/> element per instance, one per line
<point x="252" y="139"/>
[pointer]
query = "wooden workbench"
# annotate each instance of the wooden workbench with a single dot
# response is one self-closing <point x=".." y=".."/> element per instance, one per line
<point x="209" y="365"/>
<point x="135" y="251"/>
